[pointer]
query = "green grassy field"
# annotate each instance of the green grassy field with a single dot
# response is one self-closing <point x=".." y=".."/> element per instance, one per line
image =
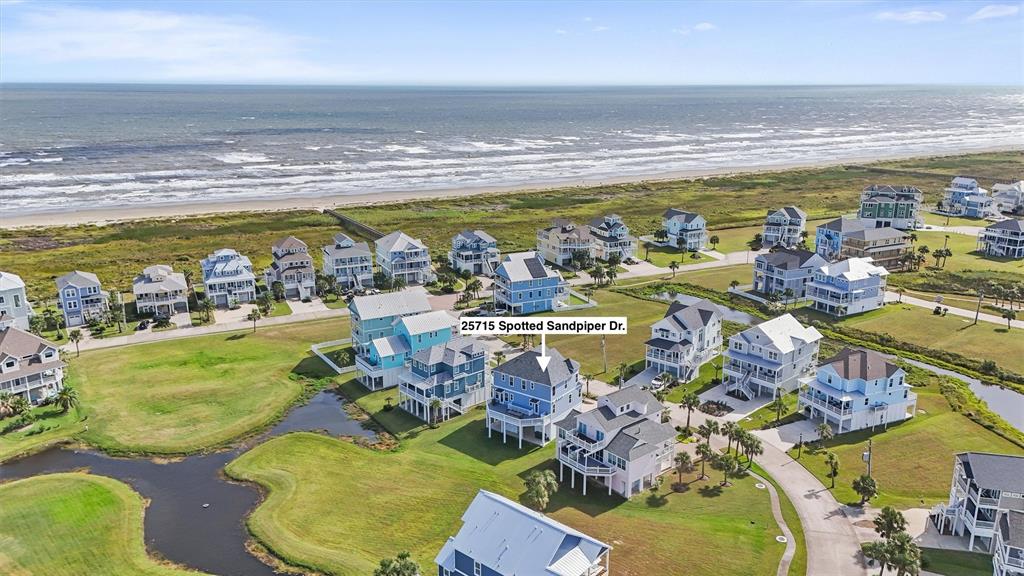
<point x="933" y="219"/>
<point x="964" y="255"/>
<point x="184" y="395"/>
<point x="50" y="426"/>
<point x="919" y="326"/>
<point x="74" y="524"/>
<point x="956" y="562"/>
<point x="913" y="460"/>
<point x="116" y="252"/>
<point x="308" y="521"/>
<point x="663" y="256"/>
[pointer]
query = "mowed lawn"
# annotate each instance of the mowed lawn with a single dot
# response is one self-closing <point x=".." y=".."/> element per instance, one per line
<point x="919" y="326"/>
<point x="51" y="425"/>
<point x="191" y="394"/>
<point x="913" y="460"/>
<point x="737" y="239"/>
<point x="74" y="524"/>
<point x="339" y="508"/>
<point x="965" y="255"/>
<point x="664" y="256"/>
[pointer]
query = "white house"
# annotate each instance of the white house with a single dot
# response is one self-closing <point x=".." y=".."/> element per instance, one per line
<point x="857" y="389"/>
<point x="1003" y="239"/>
<point x="686" y="230"/>
<point x="401" y="256"/>
<point x="30" y="366"/>
<point x="349" y="262"/>
<point x="611" y="237"/>
<point x="621" y="443"/>
<point x="1009" y="198"/>
<point x="292" y="267"/>
<point x="228" y="278"/>
<point x="965" y="197"/>
<point x="770" y="357"/>
<point x="984" y="486"/>
<point x="160" y="290"/>
<point x="500" y="537"/>
<point x="689" y="336"/>
<point x="848" y="287"/>
<point x="784" y="226"/>
<point x="1008" y="554"/>
<point x="15" y="309"/>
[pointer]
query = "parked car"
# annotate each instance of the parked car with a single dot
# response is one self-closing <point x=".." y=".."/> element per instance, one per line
<point x="142" y="325"/>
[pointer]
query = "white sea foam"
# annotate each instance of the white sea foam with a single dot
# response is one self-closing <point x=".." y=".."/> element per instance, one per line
<point x="240" y="157"/>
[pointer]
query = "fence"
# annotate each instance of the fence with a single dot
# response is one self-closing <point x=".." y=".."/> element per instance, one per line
<point x="316" y="348"/>
<point x="367" y="231"/>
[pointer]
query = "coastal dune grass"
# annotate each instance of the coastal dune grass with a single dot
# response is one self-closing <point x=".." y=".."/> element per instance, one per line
<point x="412" y="499"/>
<point x="74" y="524"/>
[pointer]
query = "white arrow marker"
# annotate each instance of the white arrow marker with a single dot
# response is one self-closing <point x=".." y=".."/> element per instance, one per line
<point x="543" y="359"/>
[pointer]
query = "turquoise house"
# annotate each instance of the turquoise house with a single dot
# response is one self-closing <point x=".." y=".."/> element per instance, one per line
<point x="386" y="356"/>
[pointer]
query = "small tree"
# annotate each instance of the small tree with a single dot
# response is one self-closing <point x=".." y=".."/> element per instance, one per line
<point x="729" y="431"/>
<point x="705" y="453"/>
<point x="76" y="337"/>
<point x="673" y="266"/>
<point x="832" y="461"/>
<point x="1010" y="316"/>
<point x="540" y="485"/>
<point x="904" y="554"/>
<point x="622" y="367"/>
<point x="254" y="315"/>
<point x="714" y="241"/>
<point x="402" y="565"/>
<point x="277" y="289"/>
<point x="734" y="284"/>
<point x="778" y="405"/>
<point x="865" y="487"/>
<point x="877" y="551"/>
<point x="684" y="464"/>
<point x="435" y="410"/>
<point x="689" y="402"/>
<point x="728" y="465"/>
<point x="67" y="398"/>
<point x="824" y="432"/>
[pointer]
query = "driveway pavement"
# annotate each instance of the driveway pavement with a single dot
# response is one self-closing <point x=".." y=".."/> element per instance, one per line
<point x="786" y="436"/>
<point x="740" y="408"/>
<point x="300" y="307"/>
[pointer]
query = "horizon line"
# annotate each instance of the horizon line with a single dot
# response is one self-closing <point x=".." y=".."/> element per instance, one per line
<point x="504" y="85"/>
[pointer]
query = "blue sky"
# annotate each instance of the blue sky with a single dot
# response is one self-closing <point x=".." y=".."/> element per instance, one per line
<point x="513" y="43"/>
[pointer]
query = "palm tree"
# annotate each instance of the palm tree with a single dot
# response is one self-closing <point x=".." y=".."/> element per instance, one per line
<point x="1010" y="316"/>
<point x="708" y="429"/>
<point x="705" y="453"/>
<point x="689" y="402"/>
<point x="661" y="235"/>
<point x="900" y="291"/>
<point x="67" y="398"/>
<point x="778" y="405"/>
<point x="727" y="464"/>
<point x="787" y="296"/>
<point x="622" y="367"/>
<point x="5" y="403"/>
<point x="752" y="446"/>
<point x="475" y="286"/>
<point x="877" y="551"/>
<point x="435" y="410"/>
<point x="189" y="275"/>
<point x="402" y="565"/>
<point x="76" y="337"/>
<point x="714" y="241"/>
<point x="866" y="487"/>
<point x="254" y="316"/>
<point x="729" y="431"/>
<point x="824" y="431"/>
<point x="499" y="357"/>
<point x="841" y="310"/>
<point x="684" y="464"/>
<point x="734" y="284"/>
<point x="673" y="266"/>
<point x="587" y="378"/>
<point x="611" y="273"/>
<point x="540" y="485"/>
<point x="18" y="405"/>
<point x="890" y="522"/>
<point x="598" y="274"/>
<point x="904" y="554"/>
<point x="912" y="237"/>
<point x="647" y="250"/>
<point x="832" y="461"/>
<point x="206" y="307"/>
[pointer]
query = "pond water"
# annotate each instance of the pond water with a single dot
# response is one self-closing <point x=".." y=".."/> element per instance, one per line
<point x="1003" y="401"/>
<point x="177" y="526"/>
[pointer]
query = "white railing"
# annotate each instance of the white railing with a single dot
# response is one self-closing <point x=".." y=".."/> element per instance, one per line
<point x="524" y="421"/>
<point x="316" y="349"/>
<point x="588" y="445"/>
<point x="825" y="405"/>
<point x="583" y="468"/>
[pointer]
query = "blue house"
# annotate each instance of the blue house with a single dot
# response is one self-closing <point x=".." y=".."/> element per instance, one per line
<point x="857" y="389"/>
<point x="828" y="239"/>
<point x="502" y="538"/>
<point x="527" y="401"/>
<point x="523" y="284"/>
<point x="964" y="197"/>
<point x="385" y="357"/>
<point x="453" y="373"/>
<point x="81" y="298"/>
<point x="400" y="256"/>
<point x="474" y="251"/>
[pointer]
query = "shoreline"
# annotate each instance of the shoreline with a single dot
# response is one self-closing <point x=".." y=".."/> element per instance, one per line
<point x="106" y="216"/>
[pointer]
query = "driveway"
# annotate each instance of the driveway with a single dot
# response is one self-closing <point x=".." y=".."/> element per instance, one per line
<point x="228" y="316"/>
<point x="740" y="408"/>
<point x="300" y="307"/>
<point x="786" y="436"/>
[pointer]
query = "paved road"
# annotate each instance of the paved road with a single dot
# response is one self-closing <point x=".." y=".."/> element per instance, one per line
<point x="930" y="304"/>
<point x="149" y="336"/>
<point x="647" y="269"/>
<point x="833" y="547"/>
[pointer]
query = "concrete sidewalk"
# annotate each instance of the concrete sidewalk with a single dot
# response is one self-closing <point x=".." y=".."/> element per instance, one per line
<point x="143" y="337"/>
<point x="962" y="312"/>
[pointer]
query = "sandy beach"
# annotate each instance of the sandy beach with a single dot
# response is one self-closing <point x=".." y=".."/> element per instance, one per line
<point x="172" y="210"/>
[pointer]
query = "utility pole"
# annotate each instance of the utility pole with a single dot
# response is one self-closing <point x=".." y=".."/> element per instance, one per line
<point x="800" y="446"/>
<point x="977" y="311"/>
<point x="867" y="457"/>
<point x="604" y="354"/>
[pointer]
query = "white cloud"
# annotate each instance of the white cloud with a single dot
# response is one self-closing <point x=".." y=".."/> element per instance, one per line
<point x="601" y="28"/>
<point x="588" y="19"/>
<point x="912" y="16"/>
<point x="704" y="27"/>
<point x="994" y="11"/>
<point x="561" y="32"/>
<point x="701" y="27"/>
<point x="681" y="31"/>
<point x="169" y="46"/>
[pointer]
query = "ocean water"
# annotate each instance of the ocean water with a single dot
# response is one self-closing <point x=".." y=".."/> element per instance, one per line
<point x="73" y="147"/>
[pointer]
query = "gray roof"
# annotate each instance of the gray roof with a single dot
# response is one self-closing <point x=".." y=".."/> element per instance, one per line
<point x="512" y="539"/>
<point x="340" y="250"/>
<point x="693" y="316"/>
<point x="673" y="214"/>
<point x="844" y="225"/>
<point x="1011" y="526"/>
<point x="1001" y="472"/>
<point x="1013" y="225"/>
<point x="851" y="364"/>
<point x="790" y="212"/>
<point x="400" y="303"/>
<point x="159" y="278"/>
<point x="26" y="348"/>
<point x="289" y="243"/>
<point x="398" y="240"/>
<point x="901" y="192"/>
<point x="666" y="344"/>
<point x="639" y="439"/>
<point x="455" y="351"/>
<point x="428" y="322"/>
<point x="871" y="234"/>
<point x="476" y="235"/>
<point x="9" y="281"/>
<point x="565" y="229"/>
<point x="525" y="266"/>
<point x="609" y="222"/>
<point x="525" y="366"/>
<point x="790" y="258"/>
<point x="632" y="395"/>
<point x="77" y="278"/>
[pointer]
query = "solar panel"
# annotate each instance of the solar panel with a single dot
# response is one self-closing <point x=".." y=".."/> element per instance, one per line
<point x="536" y="268"/>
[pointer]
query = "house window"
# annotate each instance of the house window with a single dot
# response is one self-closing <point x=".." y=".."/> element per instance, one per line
<point x="477" y="569"/>
<point x="533" y="386"/>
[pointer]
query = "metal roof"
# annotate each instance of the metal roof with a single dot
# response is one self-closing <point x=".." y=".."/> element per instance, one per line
<point x="402" y="303"/>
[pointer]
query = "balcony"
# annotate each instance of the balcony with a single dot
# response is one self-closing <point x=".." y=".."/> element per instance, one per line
<point x="583" y="442"/>
<point x="825" y="405"/>
<point x="583" y="464"/>
<point x="513" y="414"/>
